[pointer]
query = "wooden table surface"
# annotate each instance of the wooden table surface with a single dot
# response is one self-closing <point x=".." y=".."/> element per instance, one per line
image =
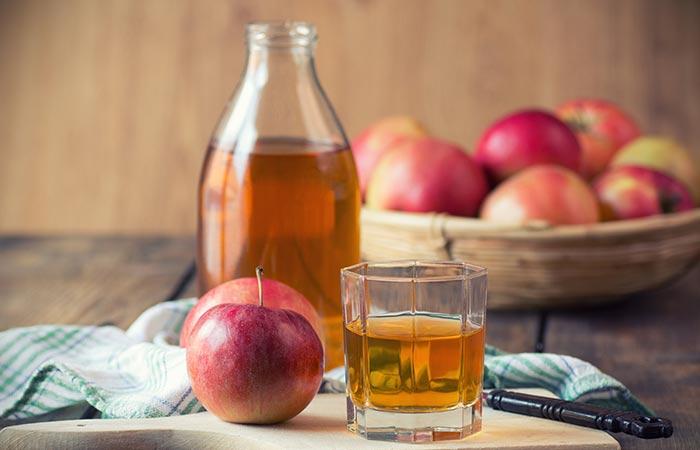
<point x="650" y="342"/>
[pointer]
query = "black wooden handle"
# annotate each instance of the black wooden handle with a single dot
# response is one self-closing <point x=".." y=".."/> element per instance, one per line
<point x="580" y="414"/>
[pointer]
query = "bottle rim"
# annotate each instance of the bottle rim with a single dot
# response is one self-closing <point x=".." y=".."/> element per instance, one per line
<point x="281" y="33"/>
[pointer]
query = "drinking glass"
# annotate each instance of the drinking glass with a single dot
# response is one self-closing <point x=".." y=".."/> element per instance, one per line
<point x="414" y="349"/>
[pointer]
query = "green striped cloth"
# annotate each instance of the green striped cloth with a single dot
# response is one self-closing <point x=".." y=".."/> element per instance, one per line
<point x="140" y="373"/>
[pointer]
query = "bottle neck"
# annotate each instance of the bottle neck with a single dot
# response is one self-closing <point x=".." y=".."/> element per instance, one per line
<point x="279" y="96"/>
<point x="281" y="49"/>
<point x="286" y="66"/>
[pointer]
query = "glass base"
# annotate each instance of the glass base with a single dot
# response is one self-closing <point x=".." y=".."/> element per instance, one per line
<point x="452" y="424"/>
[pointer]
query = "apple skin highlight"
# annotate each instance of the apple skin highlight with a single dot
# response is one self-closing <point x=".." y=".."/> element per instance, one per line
<point x="245" y="291"/>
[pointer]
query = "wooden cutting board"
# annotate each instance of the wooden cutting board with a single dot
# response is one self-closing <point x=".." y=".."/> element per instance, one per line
<point x="320" y="426"/>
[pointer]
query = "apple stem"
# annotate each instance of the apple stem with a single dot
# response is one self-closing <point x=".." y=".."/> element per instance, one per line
<point x="259" y="273"/>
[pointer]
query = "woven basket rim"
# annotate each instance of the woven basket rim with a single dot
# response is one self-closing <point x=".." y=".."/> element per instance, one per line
<point x="454" y="227"/>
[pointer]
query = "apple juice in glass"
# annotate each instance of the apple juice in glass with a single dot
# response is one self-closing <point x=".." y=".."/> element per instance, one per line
<point x="279" y="187"/>
<point x="414" y="349"/>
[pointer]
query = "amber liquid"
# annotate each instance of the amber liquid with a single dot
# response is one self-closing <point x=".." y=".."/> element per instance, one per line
<point x="290" y="206"/>
<point x="414" y="363"/>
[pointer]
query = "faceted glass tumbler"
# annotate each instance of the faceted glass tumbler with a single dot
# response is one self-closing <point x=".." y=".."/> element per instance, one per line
<point x="414" y="349"/>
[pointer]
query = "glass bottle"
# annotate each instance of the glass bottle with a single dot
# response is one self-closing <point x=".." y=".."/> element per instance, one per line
<point x="278" y="187"/>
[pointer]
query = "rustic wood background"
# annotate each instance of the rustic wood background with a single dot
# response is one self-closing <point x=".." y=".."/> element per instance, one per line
<point x="106" y="106"/>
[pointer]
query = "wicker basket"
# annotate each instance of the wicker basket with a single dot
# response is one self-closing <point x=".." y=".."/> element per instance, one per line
<point x="538" y="266"/>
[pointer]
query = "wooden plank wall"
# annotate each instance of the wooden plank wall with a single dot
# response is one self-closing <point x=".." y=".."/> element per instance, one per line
<point x="106" y="106"/>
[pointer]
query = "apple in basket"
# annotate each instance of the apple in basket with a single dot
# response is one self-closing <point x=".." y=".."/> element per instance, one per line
<point x="373" y="142"/>
<point x="254" y="364"/>
<point x="665" y="155"/>
<point x="546" y="193"/>
<point x="427" y="174"/>
<point x="245" y="291"/>
<point x="526" y="138"/>
<point x="629" y="192"/>
<point x="602" y="128"/>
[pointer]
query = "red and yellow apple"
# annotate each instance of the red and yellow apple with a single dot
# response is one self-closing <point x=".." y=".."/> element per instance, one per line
<point x="602" y="128"/>
<point x="526" y="138"/>
<point x="245" y="291"/>
<point x="665" y="155"/>
<point x="253" y="364"/>
<point x="427" y="175"/>
<point x="372" y="143"/>
<point x="547" y="193"/>
<point x="629" y="192"/>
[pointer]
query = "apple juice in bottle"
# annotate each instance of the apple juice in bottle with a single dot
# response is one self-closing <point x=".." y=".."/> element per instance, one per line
<point x="278" y="187"/>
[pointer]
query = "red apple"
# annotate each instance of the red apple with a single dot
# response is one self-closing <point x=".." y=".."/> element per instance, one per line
<point x="601" y="127"/>
<point x="425" y="175"/>
<point x="370" y="145"/>
<point x="253" y="364"/>
<point x="629" y="192"/>
<point x="665" y="155"/>
<point x="524" y="139"/>
<point x="549" y="193"/>
<point x="245" y="291"/>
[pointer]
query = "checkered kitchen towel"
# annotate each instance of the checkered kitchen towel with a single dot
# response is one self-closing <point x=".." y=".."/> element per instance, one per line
<point x="139" y="373"/>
